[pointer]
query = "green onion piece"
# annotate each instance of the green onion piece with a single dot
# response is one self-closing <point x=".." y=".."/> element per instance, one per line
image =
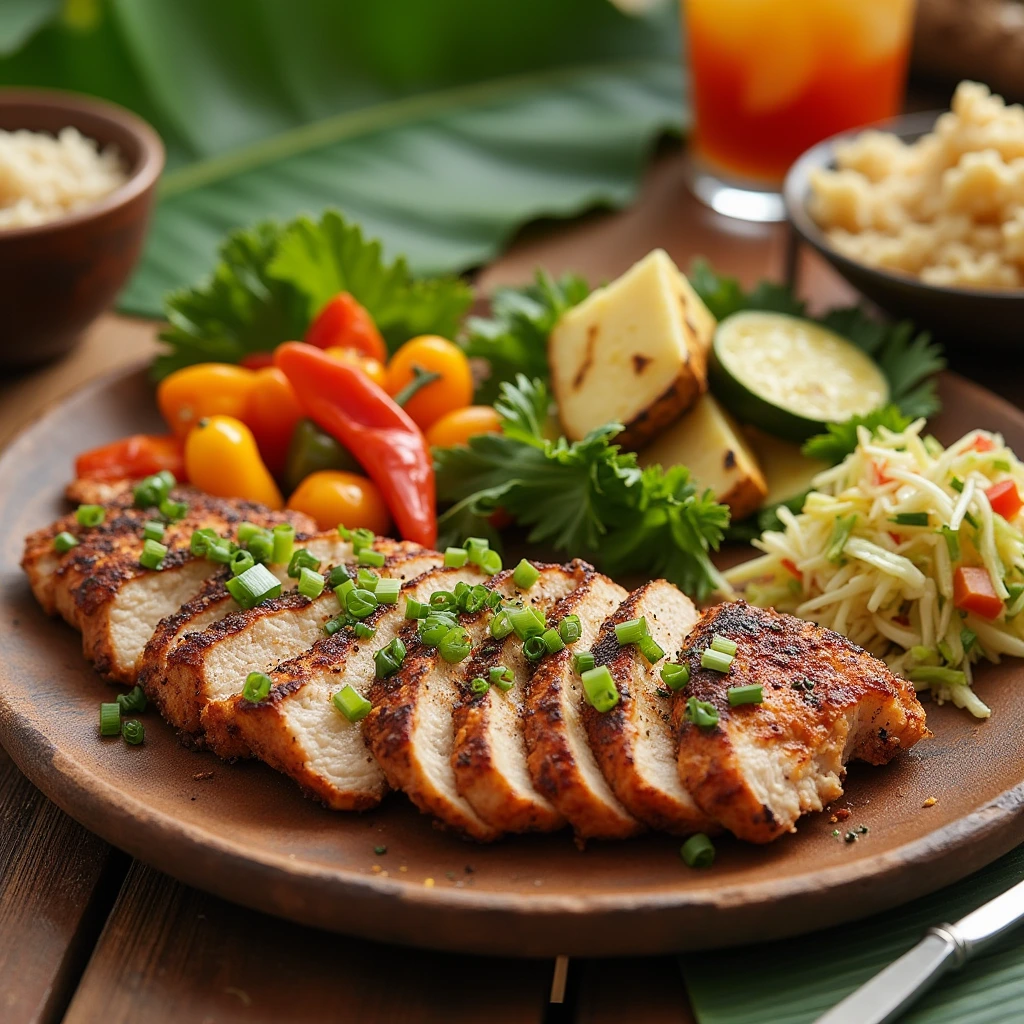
<point x="387" y="591"/>
<point x="701" y="713"/>
<point x="367" y="556"/>
<point x="246" y="531"/>
<point x="924" y="655"/>
<point x="133" y="732"/>
<point x="723" y="645"/>
<point x="490" y="562"/>
<point x="650" y="649"/>
<point x="752" y="694"/>
<point x="254" y="586"/>
<point x="172" y="511"/>
<point x="151" y="491"/>
<point x="343" y="589"/>
<point x="967" y="639"/>
<point x="501" y="677"/>
<point x="674" y="676"/>
<point x="311" y="584"/>
<point x="302" y="559"/>
<point x="152" y="529"/>
<point x="364" y="630"/>
<point x="338" y="575"/>
<point x="359" y="538"/>
<point x="570" y="629"/>
<point x="90" y="515"/>
<point x="455" y="558"/>
<point x="332" y="626"/>
<point x="475" y="548"/>
<point x="910" y="518"/>
<point x="630" y="632"/>
<point x="957" y="484"/>
<point x="284" y="543"/>
<point x="937" y="676"/>
<point x="493" y="600"/>
<point x="241" y="561"/>
<point x="351" y="704"/>
<point x="110" y="719"/>
<point x="455" y="645"/>
<point x="473" y="599"/>
<point x="525" y="575"/>
<point x="415" y="609"/>
<point x="133" y="702"/>
<point x="199" y="542"/>
<point x="261" y="547"/>
<point x="432" y="631"/>
<point x="1003" y="465"/>
<point x="952" y="541"/>
<point x="479" y="685"/>
<point x="221" y="551"/>
<point x="945" y="651"/>
<point x="153" y="554"/>
<point x="367" y="579"/>
<point x="698" y="851"/>
<point x="388" y="660"/>
<point x="64" y="542"/>
<point x="717" y="661"/>
<point x="444" y="601"/>
<point x="968" y="518"/>
<point x="599" y="688"/>
<point x="841" y="530"/>
<point x="524" y="622"/>
<point x="582" y="661"/>
<point x="552" y="641"/>
<point x="359" y="602"/>
<point x="501" y="625"/>
<point x="257" y="686"/>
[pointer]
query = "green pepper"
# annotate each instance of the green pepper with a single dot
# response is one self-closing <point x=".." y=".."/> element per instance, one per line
<point x="312" y="450"/>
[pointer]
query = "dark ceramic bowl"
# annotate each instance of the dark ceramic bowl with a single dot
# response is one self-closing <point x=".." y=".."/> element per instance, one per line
<point x="56" y="278"/>
<point x="959" y="317"/>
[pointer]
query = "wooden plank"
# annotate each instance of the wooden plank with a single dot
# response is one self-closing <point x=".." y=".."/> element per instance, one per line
<point x="649" y="990"/>
<point x="170" y="954"/>
<point x="56" y="883"/>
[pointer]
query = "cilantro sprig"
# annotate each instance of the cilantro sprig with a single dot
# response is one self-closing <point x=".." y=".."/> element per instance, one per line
<point x="585" y="498"/>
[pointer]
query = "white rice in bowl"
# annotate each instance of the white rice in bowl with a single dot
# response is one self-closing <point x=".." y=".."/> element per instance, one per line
<point x="43" y="178"/>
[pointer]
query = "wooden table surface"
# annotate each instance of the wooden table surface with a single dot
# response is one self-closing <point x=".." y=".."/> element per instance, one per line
<point x="87" y="934"/>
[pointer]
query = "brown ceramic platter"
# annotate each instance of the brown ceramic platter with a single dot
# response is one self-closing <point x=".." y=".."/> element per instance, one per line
<point x="244" y="832"/>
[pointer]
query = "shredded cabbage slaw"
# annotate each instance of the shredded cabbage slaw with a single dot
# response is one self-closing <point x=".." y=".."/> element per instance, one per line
<point x="875" y="550"/>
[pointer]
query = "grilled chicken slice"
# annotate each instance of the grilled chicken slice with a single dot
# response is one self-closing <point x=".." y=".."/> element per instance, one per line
<point x="826" y="702"/>
<point x="297" y="729"/>
<point x="212" y="666"/>
<point x="560" y="760"/>
<point x="635" y="742"/>
<point x="489" y="751"/>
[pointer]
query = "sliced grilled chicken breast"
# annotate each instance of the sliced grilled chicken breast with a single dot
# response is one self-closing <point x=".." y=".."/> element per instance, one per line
<point x="561" y="763"/>
<point x="635" y="742"/>
<point x="825" y="702"/>
<point x="297" y="729"/>
<point x="489" y="751"/>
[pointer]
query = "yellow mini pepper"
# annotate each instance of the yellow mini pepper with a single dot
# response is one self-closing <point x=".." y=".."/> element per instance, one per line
<point x="222" y="458"/>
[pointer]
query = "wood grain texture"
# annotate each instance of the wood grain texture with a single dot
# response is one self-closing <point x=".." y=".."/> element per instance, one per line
<point x="54" y="883"/>
<point x="172" y="954"/>
<point x="613" y="991"/>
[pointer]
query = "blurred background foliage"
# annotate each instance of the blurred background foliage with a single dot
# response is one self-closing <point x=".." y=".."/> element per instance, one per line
<point x="441" y="126"/>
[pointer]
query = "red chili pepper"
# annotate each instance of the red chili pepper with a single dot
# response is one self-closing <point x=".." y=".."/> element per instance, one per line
<point x="973" y="592"/>
<point x="789" y="564"/>
<point x="345" y="323"/>
<point x="1005" y="499"/>
<point x="136" y="456"/>
<point x="360" y="415"/>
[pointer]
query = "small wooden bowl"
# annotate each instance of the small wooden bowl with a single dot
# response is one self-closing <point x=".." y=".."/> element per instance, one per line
<point x="57" y="277"/>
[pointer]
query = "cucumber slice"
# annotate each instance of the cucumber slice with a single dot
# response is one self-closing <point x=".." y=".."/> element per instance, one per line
<point x="791" y="377"/>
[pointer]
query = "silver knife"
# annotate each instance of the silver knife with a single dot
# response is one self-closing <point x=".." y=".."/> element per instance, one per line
<point x="945" y="948"/>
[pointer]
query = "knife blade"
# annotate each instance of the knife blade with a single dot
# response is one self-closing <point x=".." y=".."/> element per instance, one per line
<point x="885" y="997"/>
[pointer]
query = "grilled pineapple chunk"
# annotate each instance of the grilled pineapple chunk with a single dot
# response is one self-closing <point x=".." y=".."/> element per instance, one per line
<point x="709" y="442"/>
<point x="634" y="352"/>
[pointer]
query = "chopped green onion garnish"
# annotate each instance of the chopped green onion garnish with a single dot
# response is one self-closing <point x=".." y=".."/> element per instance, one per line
<point x="479" y="685"/>
<point x="701" y="713"/>
<point x="254" y="586"/>
<point x="650" y="649"/>
<point x="367" y="556"/>
<point x="599" y="688"/>
<point x="261" y="546"/>
<point x="698" y="851"/>
<point x="631" y="632"/>
<point x="841" y="530"/>
<point x="501" y="677"/>
<point x="364" y="630"/>
<point x="331" y="626"/>
<point x="493" y="599"/>
<point x="910" y="518"/>
<point x="257" y="686"/>
<point x="151" y="491"/>
<point x="338" y="575"/>
<point x="552" y="641"/>
<point x="302" y="559"/>
<point x="172" y="511"/>
<point x="311" y="583"/>
<point x="367" y="579"/>
<point x="415" y="609"/>
<point x="525" y="575"/>
<point x="1003" y="465"/>
<point x="444" y="601"/>
<point x="221" y="551"/>
<point x="723" y="645"/>
<point x="717" y="661"/>
<point x="388" y="660"/>
<point x="153" y="530"/>
<point x="675" y="677"/>
<point x="752" y="694"/>
<point x="952" y="541"/>
<point x="471" y="599"/>
<point x="455" y="558"/>
<point x="133" y="702"/>
<point x="924" y="655"/>
<point x="241" y="561"/>
<point x="359" y="602"/>
<point x="525" y="623"/>
<point x="200" y="541"/>
<point x="475" y="548"/>
<point x="343" y="589"/>
<point x="110" y="719"/>
<point x="351" y="704"/>
<point x="64" y="542"/>
<point x="946" y="651"/>
<point x="937" y="676"/>
<point x="284" y="543"/>
<point x="968" y="518"/>
<point x="433" y="630"/>
<point x="455" y="645"/>
<point x="490" y="562"/>
<point x="133" y="732"/>
<point x="246" y="531"/>
<point x="90" y="515"/>
<point x="967" y="639"/>
<point x="582" y="661"/>
<point x="957" y="484"/>
<point x="387" y="591"/>
<point x="570" y="629"/>
<point x="359" y="538"/>
<point x="153" y="554"/>
<point x="501" y="625"/>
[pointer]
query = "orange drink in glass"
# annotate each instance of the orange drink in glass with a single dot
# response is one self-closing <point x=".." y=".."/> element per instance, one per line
<point x="772" y="77"/>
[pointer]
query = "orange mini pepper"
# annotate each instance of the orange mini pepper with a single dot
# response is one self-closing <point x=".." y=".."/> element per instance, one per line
<point x="205" y="389"/>
<point x="271" y="414"/>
